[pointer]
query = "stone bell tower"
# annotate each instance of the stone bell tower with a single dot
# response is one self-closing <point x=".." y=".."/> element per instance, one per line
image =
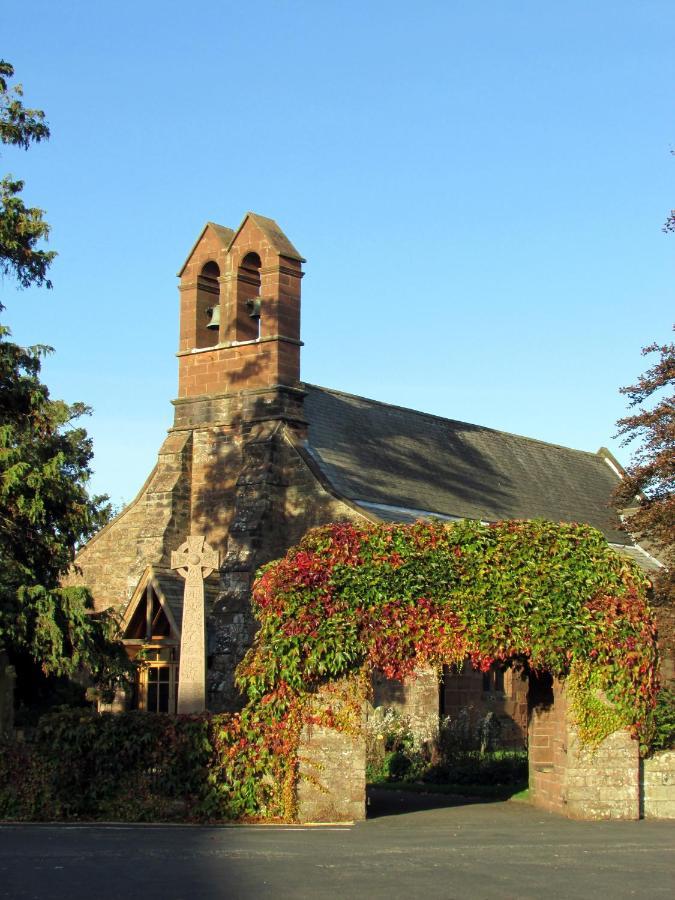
<point x="229" y="468"/>
<point x="239" y="310"/>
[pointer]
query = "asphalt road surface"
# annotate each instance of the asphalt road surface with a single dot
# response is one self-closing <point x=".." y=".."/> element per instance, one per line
<point x="412" y="847"/>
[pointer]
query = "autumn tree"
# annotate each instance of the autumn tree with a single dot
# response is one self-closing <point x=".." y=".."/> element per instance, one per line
<point x="45" y="509"/>
<point x="647" y="493"/>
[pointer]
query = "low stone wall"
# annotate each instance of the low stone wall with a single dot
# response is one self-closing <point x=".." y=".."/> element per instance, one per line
<point x="657" y="783"/>
<point x="603" y="783"/>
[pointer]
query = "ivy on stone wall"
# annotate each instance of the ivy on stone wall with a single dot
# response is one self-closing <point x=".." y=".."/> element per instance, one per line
<point x="553" y="597"/>
<point x="550" y="597"/>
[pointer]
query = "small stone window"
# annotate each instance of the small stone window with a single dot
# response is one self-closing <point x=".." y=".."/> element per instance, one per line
<point x="493" y="680"/>
<point x="157" y="682"/>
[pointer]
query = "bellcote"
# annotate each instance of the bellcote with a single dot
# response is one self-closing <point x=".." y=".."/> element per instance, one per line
<point x="239" y="310"/>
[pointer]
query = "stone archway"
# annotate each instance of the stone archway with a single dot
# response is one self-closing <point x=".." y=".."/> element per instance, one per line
<point x="564" y="776"/>
<point x="348" y="601"/>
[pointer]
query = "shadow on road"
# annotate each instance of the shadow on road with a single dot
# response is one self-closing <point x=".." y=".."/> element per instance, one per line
<point x="385" y="802"/>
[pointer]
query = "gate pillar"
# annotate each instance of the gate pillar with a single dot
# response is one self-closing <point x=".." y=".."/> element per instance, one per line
<point x="569" y="778"/>
<point x="331" y="761"/>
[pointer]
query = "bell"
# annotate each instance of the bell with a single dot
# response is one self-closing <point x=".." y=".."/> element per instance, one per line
<point x="253" y="307"/>
<point x="213" y="312"/>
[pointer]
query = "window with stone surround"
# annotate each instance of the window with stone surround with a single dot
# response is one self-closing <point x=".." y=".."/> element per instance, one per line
<point x="152" y="642"/>
<point x="493" y="680"/>
<point x="157" y="682"/>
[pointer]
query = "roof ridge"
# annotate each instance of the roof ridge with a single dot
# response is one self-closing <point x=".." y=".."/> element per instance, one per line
<point x="428" y="415"/>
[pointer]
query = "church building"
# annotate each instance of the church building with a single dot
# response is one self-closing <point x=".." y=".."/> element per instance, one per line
<point x="256" y="457"/>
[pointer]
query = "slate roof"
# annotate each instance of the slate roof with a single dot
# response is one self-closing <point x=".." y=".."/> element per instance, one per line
<point x="402" y="465"/>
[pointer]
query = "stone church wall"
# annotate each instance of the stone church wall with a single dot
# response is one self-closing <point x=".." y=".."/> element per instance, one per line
<point x="144" y="533"/>
<point x="416" y="700"/>
<point x="475" y="695"/>
<point x="277" y="499"/>
<point x="233" y="469"/>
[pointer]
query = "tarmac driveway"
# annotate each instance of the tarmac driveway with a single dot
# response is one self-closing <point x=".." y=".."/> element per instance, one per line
<point x="414" y="846"/>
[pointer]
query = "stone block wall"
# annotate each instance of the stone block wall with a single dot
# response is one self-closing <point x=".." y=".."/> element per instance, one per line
<point x="332" y="768"/>
<point x="547" y="744"/>
<point x="657" y="784"/>
<point x="238" y="366"/>
<point x="465" y="690"/>
<point x="574" y="780"/>
<point x="602" y="783"/>
<point x="416" y="699"/>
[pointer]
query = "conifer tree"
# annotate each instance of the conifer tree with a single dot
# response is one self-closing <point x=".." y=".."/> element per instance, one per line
<point x="45" y="510"/>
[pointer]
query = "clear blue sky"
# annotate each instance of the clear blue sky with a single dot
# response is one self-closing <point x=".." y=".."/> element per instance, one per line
<point x="478" y="187"/>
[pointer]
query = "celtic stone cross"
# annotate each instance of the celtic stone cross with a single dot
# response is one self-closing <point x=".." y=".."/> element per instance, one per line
<point x="195" y="561"/>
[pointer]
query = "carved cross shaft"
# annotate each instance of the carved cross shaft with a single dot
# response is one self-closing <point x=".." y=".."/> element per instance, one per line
<point x="195" y="561"/>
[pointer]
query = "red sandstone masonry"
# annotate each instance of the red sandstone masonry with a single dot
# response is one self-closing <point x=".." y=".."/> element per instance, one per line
<point x="231" y="365"/>
<point x="579" y="782"/>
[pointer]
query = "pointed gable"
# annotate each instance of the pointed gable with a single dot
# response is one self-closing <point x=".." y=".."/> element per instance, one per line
<point x="272" y="235"/>
<point x="214" y="240"/>
<point x="166" y="595"/>
<point x="167" y="587"/>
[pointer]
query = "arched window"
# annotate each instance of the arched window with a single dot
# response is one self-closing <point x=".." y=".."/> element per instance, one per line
<point x="248" y="298"/>
<point x="208" y="305"/>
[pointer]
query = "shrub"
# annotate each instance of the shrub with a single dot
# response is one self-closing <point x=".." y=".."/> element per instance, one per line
<point x="664" y="718"/>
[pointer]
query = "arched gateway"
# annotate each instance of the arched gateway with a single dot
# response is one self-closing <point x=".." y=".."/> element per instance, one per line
<point x="552" y="599"/>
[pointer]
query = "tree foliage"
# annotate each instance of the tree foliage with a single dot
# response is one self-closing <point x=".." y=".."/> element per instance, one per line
<point x="648" y="490"/>
<point x="45" y="510"/>
<point x="21" y="227"/>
